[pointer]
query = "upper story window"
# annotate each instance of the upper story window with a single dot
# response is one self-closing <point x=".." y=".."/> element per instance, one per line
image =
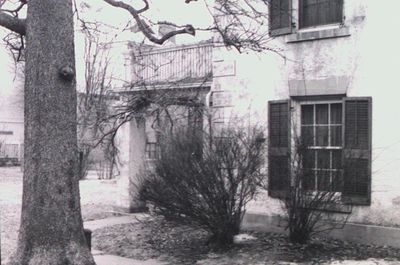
<point x="309" y="13"/>
<point x="320" y="12"/>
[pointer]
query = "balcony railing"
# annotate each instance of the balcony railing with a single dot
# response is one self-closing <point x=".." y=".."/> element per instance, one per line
<point x="183" y="65"/>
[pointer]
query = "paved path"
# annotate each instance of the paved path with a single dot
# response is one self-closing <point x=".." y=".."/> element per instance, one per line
<point x="111" y="221"/>
<point x="115" y="260"/>
<point x="105" y="259"/>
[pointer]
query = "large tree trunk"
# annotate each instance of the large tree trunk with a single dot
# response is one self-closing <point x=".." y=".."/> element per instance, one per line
<point x="51" y="231"/>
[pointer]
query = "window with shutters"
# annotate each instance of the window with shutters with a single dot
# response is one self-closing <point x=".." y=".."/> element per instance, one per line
<point x="320" y="12"/>
<point x="337" y="137"/>
<point x="321" y="133"/>
<point x="284" y="15"/>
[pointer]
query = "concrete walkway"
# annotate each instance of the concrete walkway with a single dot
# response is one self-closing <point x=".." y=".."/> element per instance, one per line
<point x="105" y="259"/>
<point x="111" y="221"/>
<point x="115" y="260"/>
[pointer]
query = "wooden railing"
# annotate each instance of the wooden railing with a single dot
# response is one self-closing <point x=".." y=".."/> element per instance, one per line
<point x="183" y="64"/>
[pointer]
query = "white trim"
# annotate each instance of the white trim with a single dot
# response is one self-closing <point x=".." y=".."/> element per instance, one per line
<point x="315" y="102"/>
<point x="10" y="121"/>
<point x="320" y="27"/>
<point x="176" y="85"/>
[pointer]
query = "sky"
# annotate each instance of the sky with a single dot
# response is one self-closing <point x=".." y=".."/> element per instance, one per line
<point x="175" y="11"/>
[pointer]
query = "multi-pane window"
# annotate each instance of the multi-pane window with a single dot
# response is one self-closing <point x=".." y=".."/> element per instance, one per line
<point x="310" y="13"/>
<point x="320" y="12"/>
<point x="152" y="150"/>
<point x="321" y="134"/>
<point x="336" y="144"/>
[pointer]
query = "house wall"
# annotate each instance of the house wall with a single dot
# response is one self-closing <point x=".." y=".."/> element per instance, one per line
<point x="12" y="113"/>
<point x="17" y="130"/>
<point x="360" y="58"/>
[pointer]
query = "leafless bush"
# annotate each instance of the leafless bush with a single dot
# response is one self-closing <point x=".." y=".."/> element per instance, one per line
<point x="206" y="180"/>
<point x="311" y="206"/>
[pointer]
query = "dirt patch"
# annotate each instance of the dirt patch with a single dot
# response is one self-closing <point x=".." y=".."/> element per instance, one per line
<point x="153" y="238"/>
<point x="182" y="244"/>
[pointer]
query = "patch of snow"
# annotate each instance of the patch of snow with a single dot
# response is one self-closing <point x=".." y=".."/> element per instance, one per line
<point x="243" y="238"/>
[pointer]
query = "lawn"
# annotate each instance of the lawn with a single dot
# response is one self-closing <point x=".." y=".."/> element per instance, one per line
<point x="97" y="198"/>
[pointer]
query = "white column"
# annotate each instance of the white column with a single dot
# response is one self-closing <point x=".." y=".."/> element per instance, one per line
<point x="132" y="143"/>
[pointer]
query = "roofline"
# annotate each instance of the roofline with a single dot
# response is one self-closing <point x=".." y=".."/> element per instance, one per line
<point x="137" y="89"/>
<point x="155" y="49"/>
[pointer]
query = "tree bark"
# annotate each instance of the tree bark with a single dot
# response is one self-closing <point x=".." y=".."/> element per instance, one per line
<point x="51" y="231"/>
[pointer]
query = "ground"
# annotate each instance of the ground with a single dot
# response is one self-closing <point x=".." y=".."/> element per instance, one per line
<point x="151" y="237"/>
<point x="182" y="244"/>
<point x="97" y="197"/>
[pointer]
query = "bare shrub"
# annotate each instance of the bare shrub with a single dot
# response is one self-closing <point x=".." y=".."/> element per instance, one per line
<point x="206" y="180"/>
<point x="313" y="206"/>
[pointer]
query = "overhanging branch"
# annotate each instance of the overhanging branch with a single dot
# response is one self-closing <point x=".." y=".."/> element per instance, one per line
<point x="13" y="23"/>
<point x="187" y="29"/>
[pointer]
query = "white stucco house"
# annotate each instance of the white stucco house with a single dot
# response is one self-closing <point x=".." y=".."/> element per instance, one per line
<point x="11" y="122"/>
<point x="333" y="80"/>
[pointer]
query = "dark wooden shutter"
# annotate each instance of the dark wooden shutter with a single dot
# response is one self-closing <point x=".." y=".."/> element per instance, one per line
<point x="357" y="115"/>
<point x="278" y="148"/>
<point x="280" y="17"/>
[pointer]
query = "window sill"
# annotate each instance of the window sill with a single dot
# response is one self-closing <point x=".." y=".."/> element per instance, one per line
<point x="318" y="34"/>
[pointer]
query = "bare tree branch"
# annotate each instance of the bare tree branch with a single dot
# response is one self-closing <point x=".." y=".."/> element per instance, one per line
<point x="14" y="11"/>
<point x="14" y="24"/>
<point x="187" y="29"/>
<point x="15" y="43"/>
<point x="145" y="7"/>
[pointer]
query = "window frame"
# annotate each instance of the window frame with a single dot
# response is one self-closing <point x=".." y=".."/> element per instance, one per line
<point x="300" y="18"/>
<point x="356" y="162"/>
<point x="149" y="151"/>
<point x="295" y="23"/>
<point x="315" y="148"/>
